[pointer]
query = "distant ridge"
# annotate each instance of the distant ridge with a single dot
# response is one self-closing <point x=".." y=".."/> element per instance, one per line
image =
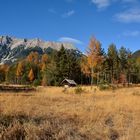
<point x="11" y="48"/>
<point x="136" y="54"/>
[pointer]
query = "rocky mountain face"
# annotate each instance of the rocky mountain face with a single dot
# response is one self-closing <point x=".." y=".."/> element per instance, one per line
<point x="12" y="49"/>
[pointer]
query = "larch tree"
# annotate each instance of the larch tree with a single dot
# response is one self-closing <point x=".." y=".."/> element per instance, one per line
<point x="19" y="71"/>
<point x="85" y="68"/>
<point x="44" y="58"/>
<point x="33" y="57"/>
<point x="36" y="57"/>
<point x="30" y="57"/>
<point x="31" y="75"/>
<point x="93" y="60"/>
<point x="44" y="80"/>
<point x="43" y="67"/>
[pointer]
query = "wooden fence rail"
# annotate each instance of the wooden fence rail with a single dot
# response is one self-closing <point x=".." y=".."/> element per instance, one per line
<point x="14" y="88"/>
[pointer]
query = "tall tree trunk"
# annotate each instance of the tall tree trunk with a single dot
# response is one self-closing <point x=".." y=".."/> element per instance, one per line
<point x="112" y="75"/>
<point x="98" y="77"/>
<point x="92" y="71"/>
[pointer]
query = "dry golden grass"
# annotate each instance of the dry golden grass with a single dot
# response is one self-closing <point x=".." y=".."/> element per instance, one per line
<point x="51" y="114"/>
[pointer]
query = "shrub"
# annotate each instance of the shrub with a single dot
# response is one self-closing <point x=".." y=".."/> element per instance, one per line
<point x="103" y="85"/>
<point x="36" y="82"/>
<point x="78" y="90"/>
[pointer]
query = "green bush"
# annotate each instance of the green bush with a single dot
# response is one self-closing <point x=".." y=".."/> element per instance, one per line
<point x="104" y="86"/>
<point x="36" y="82"/>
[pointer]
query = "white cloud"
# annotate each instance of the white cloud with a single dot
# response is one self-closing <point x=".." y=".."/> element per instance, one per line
<point x="129" y="16"/>
<point x="131" y="33"/>
<point x="51" y="10"/>
<point x="70" y="40"/>
<point x="64" y="15"/>
<point x="68" y="14"/>
<point x="101" y="3"/>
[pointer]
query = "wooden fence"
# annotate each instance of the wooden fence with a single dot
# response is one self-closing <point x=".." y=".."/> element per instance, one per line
<point x="11" y="88"/>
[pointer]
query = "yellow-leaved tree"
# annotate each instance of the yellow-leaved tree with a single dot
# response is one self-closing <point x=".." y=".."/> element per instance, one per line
<point x="92" y="61"/>
<point x="31" y="75"/>
<point x="33" y="57"/>
<point x="44" y="58"/>
<point x="19" y="71"/>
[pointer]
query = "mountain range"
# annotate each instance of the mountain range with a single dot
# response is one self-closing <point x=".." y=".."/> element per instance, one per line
<point x="11" y="48"/>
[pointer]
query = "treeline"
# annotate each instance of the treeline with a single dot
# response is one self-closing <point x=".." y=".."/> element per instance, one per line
<point x="96" y="67"/>
<point x="114" y="67"/>
<point x="47" y="69"/>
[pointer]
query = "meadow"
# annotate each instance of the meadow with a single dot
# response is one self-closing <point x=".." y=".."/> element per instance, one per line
<point x="54" y="114"/>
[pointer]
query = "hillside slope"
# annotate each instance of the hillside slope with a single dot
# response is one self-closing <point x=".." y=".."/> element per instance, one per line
<point x="136" y="54"/>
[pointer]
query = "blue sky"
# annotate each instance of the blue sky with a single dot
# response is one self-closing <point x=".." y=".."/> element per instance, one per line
<point x="110" y="21"/>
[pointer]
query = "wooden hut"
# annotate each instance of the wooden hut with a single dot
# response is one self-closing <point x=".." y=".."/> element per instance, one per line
<point x="68" y="82"/>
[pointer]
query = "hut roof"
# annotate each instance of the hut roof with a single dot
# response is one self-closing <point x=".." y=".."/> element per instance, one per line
<point x="71" y="82"/>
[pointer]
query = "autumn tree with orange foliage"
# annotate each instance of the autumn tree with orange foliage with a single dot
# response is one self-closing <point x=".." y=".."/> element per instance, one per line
<point x="44" y="60"/>
<point x="116" y="66"/>
<point x="33" y="57"/>
<point x="19" y="71"/>
<point x="93" y="59"/>
<point x="85" y="68"/>
<point x="31" y="75"/>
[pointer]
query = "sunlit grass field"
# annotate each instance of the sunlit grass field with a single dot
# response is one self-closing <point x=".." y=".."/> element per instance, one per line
<point x="52" y="114"/>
